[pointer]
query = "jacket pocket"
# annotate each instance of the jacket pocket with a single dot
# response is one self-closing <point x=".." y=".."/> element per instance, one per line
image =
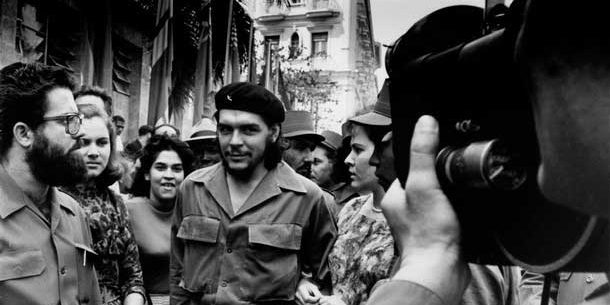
<point x="199" y="228"/>
<point x="283" y="236"/>
<point x="200" y="254"/>
<point x="20" y="264"/>
<point x="86" y="277"/>
<point x="272" y="258"/>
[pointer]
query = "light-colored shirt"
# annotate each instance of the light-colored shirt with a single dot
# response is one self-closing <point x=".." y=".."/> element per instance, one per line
<point x="119" y="144"/>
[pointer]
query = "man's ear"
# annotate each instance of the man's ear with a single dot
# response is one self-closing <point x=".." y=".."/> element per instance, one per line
<point x="23" y="134"/>
<point x="275" y="132"/>
<point x="284" y="143"/>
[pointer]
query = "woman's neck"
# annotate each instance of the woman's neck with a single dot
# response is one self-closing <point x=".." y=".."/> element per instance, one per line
<point x="161" y="205"/>
<point x="378" y="194"/>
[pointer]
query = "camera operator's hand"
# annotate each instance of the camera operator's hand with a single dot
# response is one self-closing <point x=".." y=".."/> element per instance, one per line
<point x="424" y="223"/>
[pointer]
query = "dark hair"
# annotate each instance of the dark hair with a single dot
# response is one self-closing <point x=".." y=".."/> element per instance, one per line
<point x="118" y="118"/>
<point x="144" y="129"/>
<point x="151" y="151"/>
<point x="23" y="95"/>
<point x="273" y="153"/>
<point x="375" y="133"/>
<point x="340" y="169"/>
<point x="99" y="92"/>
<point x="113" y="170"/>
<point x="170" y="125"/>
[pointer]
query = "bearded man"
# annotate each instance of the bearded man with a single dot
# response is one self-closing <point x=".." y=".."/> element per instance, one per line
<point x="45" y="242"/>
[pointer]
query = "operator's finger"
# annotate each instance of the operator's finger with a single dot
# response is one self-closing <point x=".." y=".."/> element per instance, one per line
<point x="424" y="145"/>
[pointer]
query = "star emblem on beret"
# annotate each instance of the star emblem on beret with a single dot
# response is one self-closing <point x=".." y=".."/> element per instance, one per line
<point x="229" y="98"/>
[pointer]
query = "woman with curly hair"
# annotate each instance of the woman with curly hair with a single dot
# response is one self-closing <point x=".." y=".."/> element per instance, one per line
<point x="117" y="262"/>
<point x="165" y="161"/>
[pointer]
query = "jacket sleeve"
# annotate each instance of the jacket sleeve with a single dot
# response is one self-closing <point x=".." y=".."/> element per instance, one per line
<point x="130" y="270"/>
<point x="319" y="237"/>
<point x="177" y="294"/>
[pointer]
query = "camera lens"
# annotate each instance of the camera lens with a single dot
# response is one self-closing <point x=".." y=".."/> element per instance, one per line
<point x="482" y="165"/>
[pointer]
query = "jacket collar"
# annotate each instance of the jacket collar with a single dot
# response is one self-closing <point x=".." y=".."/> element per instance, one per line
<point x="12" y="197"/>
<point x="282" y="177"/>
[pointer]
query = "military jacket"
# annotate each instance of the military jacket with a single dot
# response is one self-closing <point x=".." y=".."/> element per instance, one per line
<point x="44" y="261"/>
<point x="256" y="254"/>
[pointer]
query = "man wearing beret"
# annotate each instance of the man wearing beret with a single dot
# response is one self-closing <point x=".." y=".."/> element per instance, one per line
<point x="249" y="229"/>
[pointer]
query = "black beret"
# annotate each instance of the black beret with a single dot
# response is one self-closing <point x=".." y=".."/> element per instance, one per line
<point x="251" y="98"/>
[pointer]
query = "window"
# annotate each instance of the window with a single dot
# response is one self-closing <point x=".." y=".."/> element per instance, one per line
<point x="319" y="44"/>
<point x="295" y="50"/>
<point x="296" y="2"/>
<point x="272" y="44"/>
<point x="320" y="4"/>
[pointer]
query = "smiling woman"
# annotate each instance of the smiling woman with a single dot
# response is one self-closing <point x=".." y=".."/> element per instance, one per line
<point x="118" y="262"/>
<point x="165" y="162"/>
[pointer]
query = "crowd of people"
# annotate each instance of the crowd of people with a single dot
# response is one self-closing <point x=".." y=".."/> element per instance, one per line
<point x="255" y="206"/>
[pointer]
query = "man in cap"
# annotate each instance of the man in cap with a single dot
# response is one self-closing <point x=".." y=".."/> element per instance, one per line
<point x="329" y="171"/>
<point x="324" y="159"/>
<point x="45" y="242"/>
<point x="204" y="144"/>
<point x="299" y="140"/>
<point x="249" y="229"/>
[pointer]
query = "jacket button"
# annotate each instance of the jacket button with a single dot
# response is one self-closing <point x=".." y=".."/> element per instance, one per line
<point x="589" y="279"/>
<point x="223" y="284"/>
<point x="63" y="271"/>
<point x="229" y="250"/>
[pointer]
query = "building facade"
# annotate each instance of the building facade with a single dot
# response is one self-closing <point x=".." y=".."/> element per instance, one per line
<point x="99" y="42"/>
<point x="334" y="39"/>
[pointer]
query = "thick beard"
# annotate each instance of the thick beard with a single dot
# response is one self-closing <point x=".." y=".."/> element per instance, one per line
<point x="50" y="165"/>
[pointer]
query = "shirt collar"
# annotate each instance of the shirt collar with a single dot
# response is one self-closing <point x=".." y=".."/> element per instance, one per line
<point x="61" y="198"/>
<point x="283" y="176"/>
<point x="12" y="197"/>
<point x="288" y="179"/>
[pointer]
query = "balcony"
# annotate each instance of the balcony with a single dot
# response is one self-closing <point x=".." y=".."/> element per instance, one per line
<point x="322" y="9"/>
<point x="270" y="12"/>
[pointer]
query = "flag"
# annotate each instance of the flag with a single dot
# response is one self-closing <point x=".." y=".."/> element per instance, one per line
<point x="102" y="46"/>
<point x="202" y="75"/>
<point x="162" y="57"/>
<point x="227" y="67"/>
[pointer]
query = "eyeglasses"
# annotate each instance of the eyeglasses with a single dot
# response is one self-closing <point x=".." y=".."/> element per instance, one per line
<point x="72" y="120"/>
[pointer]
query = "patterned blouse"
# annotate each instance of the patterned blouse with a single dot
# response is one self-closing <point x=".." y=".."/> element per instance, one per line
<point x="363" y="253"/>
<point x="117" y="262"/>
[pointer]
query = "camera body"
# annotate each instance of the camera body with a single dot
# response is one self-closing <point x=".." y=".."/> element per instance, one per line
<point x="488" y="162"/>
